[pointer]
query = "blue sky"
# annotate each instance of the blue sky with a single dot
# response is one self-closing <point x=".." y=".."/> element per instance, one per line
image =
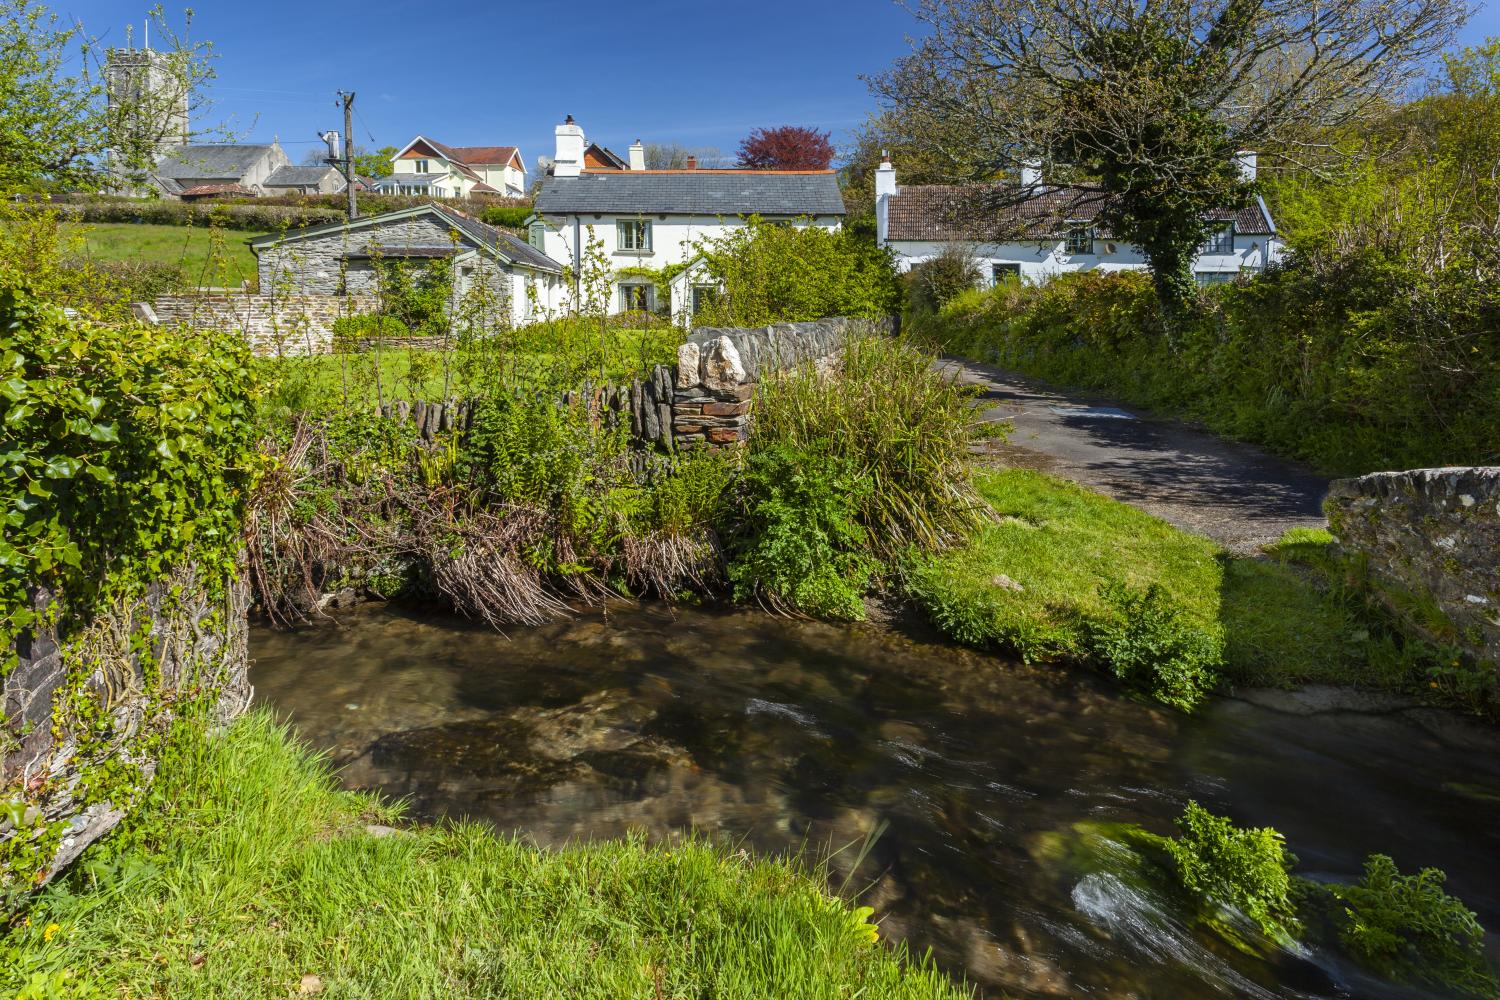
<point x="488" y="73"/>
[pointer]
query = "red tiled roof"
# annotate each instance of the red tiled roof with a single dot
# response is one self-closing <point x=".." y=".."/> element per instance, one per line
<point x="943" y="212"/>
<point x="482" y="154"/>
<point x="203" y="190"/>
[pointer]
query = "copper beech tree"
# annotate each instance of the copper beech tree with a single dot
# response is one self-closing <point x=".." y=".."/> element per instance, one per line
<point x="1151" y="99"/>
<point x="789" y="147"/>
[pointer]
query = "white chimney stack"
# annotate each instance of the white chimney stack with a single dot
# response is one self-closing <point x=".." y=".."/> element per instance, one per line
<point x="570" y="146"/>
<point x="1246" y="158"/>
<point x="1031" y="175"/>
<point x="885" y="189"/>
<point x="637" y="156"/>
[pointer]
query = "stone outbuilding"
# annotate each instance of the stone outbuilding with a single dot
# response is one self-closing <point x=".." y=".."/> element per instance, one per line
<point x="345" y="258"/>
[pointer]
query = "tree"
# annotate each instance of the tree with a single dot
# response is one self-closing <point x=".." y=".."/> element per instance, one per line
<point x="671" y="156"/>
<point x="376" y="164"/>
<point x="789" y="147"/>
<point x="1150" y="101"/>
<point x="59" y="127"/>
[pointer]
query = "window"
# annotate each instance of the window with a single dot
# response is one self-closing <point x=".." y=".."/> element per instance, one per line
<point x="420" y="166"/>
<point x="703" y="297"/>
<point x="634" y="236"/>
<point x="536" y="235"/>
<point x="1003" y="272"/>
<point x="1215" y="277"/>
<point x="1221" y="242"/>
<point x="1080" y="239"/>
<point x="635" y="298"/>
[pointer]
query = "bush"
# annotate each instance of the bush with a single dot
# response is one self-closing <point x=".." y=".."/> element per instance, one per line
<point x="903" y="426"/>
<point x="1248" y="870"/>
<point x="348" y="331"/>
<point x="1154" y="646"/>
<point x="935" y="282"/>
<point x="507" y="216"/>
<point x="799" y="544"/>
<point x="1407" y="927"/>
<point x="259" y="217"/>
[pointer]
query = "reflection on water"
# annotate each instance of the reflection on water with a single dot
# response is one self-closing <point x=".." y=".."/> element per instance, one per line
<point x="783" y="735"/>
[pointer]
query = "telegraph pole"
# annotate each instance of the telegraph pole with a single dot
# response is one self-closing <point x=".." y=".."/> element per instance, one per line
<point x="348" y="101"/>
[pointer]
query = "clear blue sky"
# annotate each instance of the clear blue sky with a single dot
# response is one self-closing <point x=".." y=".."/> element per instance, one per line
<point x="695" y="73"/>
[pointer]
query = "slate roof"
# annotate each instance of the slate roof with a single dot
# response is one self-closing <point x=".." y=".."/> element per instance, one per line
<point x="408" y="180"/>
<point x="944" y="212"/>
<point x="693" y="192"/>
<point x="212" y="159"/>
<point x="297" y="176"/>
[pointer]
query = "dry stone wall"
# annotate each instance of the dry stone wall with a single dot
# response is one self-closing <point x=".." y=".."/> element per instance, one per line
<point x="273" y="325"/>
<point x="1432" y="533"/>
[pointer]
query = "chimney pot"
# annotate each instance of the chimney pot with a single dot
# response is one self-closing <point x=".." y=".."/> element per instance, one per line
<point x="692" y="163"/>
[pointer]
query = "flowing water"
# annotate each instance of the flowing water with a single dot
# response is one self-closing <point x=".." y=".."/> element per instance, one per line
<point x="955" y="776"/>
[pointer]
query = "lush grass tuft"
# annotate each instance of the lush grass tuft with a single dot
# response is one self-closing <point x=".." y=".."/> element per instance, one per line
<point x="250" y="872"/>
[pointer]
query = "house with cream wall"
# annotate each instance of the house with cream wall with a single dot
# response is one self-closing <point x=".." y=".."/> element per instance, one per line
<point x="428" y="167"/>
<point x="1040" y="231"/>
<point x="652" y="219"/>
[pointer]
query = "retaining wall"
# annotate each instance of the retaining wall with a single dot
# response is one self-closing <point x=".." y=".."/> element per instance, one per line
<point x="1431" y="533"/>
<point x="273" y="325"/>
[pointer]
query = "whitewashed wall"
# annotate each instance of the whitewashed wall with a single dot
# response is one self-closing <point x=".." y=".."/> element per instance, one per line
<point x="1041" y="260"/>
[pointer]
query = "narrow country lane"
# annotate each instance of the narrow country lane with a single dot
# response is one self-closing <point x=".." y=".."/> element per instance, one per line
<point x="1236" y="494"/>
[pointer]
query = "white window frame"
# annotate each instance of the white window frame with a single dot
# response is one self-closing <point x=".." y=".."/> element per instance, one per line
<point x="1079" y="240"/>
<point x="1221" y="242"/>
<point x="635" y="227"/>
<point x="420" y="166"/>
<point x="647" y="290"/>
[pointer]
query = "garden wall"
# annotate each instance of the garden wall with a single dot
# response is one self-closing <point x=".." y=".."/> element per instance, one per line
<point x="1432" y="534"/>
<point x="273" y="325"/>
<point x="81" y="716"/>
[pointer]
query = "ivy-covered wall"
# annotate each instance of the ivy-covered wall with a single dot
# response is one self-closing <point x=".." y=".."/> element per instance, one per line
<point x="125" y="464"/>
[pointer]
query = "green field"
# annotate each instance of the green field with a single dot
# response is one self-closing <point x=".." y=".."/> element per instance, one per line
<point x="208" y="257"/>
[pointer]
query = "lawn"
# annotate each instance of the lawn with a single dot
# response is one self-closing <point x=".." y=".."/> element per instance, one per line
<point x="249" y="873"/>
<point x="208" y="257"/>
<point x="1038" y="581"/>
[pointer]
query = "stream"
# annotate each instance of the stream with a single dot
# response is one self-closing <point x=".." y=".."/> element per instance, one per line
<point x="936" y="777"/>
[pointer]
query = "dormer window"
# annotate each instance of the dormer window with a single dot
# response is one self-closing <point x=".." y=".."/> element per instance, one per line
<point x="420" y="166"/>
<point x="1221" y="242"/>
<point x="1080" y="239"/>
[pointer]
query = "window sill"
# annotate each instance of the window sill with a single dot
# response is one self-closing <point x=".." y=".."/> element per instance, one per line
<point x="634" y="253"/>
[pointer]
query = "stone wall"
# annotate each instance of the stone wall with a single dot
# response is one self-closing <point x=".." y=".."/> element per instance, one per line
<point x="273" y="325"/>
<point x="1433" y="534"/>
<point x="88" y="706"/>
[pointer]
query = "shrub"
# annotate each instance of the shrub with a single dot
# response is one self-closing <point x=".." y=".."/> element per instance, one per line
<point x="260" y="217"/>
<point x="902" y="425"/>
<point x="1155" y="646"/>
<point x="506" y="216"/>
<point x="1248" y="870"/>
<point x="799" y="544"/>
<point x="1407" y="927"/>
<point x="349" y="330"/>
<point x="935" y="282"/>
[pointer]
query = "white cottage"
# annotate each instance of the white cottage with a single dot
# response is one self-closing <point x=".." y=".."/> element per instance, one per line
<point x="427" y="167"/>
<point x="1052" y="230"/>
<point x="648" y="220"/>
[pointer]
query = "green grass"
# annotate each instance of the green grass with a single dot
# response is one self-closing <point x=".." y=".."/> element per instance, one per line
<point x="249" y="873"/>
<point x="1291" y="618"/>
<point x="208" y="257"/>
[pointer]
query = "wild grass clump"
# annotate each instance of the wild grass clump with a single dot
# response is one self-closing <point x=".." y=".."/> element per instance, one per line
<point x="251" y="874"/>
<point x="897" y="423"/>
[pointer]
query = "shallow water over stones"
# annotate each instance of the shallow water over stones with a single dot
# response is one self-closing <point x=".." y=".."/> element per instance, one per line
<point x="791" y="735"/>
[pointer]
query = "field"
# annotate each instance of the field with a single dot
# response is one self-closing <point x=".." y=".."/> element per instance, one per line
<point x="208" y="257"/>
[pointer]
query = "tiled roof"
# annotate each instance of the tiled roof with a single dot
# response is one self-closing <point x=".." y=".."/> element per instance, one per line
<point x="693" y="192"/>
<point x="212" y="159"/>
<point x="482" y="154"/>
<point x="943" y="212"/>
<point x="204" y="190"/>
<point x="297" y="176"/>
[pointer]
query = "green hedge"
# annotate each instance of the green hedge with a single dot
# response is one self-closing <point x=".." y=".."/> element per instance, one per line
<point x="257" y="217"/>
<point x="1354" y="364"/>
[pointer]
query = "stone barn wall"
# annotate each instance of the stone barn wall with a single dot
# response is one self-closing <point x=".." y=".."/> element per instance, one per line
<point x="273" y="325"/>
<point x="1431" y="533"/>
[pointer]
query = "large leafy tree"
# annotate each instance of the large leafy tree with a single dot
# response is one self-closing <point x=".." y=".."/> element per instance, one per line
<point x="787" y="147"/>
<point x="1151" y="99"/>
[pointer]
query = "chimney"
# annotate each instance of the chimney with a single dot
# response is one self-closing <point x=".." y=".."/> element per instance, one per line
<point x="692" y="163"/>
<point x="1031" y="175"/>
<point x="885" y="190"/>
<point x="570" y="145"/>
<point x="637" y="156"/>
<point x="1246" y="159"/>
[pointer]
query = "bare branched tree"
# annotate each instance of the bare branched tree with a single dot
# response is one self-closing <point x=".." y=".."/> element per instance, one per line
<point x="1151" y="99"/>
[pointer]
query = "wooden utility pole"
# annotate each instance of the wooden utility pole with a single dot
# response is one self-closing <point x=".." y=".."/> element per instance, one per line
<point x="348" y="102"/>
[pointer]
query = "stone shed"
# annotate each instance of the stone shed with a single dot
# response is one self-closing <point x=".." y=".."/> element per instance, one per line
<point x="343" y="258"/>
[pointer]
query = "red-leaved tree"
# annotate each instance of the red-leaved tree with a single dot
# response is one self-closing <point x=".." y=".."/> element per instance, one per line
<point x="790" y="147"/>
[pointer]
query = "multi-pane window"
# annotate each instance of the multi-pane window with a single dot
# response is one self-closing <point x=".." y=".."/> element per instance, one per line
<point x="1004" y="271"/>
<point x="634" y="235"/>
<point x="1080" y="239"/>
<point x="703" y="297"/>
<point x="635" y="298"/>
<point x="420" y="166"/>
<point x="1221" y="242"/>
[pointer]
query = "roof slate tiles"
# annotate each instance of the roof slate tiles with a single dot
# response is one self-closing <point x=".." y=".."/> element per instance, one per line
<point x="692" y="192"/>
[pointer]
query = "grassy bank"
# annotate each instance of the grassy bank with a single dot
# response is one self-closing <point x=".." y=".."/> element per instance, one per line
<point x="207" y="256"/>
<point x="250" y="874"/>
<point x="1067" y="574"/>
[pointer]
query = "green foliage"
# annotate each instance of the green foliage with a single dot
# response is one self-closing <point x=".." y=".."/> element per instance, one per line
<point x="375" y="165"/>
<point x="903" y="426"/>
<point x="933" y="283"/>
<point x="1249" y="870"/>
<point x="777" y="273"/>
<point x="255" y="217"/>
<point x="1356" y="362"/>
<point x="799" y="543"/>
<point x="507" y="216"/>
<point x="695" y="495"/>
<point x="1406" y="927"/>
<point x="348" y="330"/>
<point x="250" y="869"/>
<point x="1156" y="646"/>
<point x="127" y="448"/>
<point x="417" y="296"/>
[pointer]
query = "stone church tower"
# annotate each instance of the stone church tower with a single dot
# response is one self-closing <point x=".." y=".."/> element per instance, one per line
<point x="148" y="104"/>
